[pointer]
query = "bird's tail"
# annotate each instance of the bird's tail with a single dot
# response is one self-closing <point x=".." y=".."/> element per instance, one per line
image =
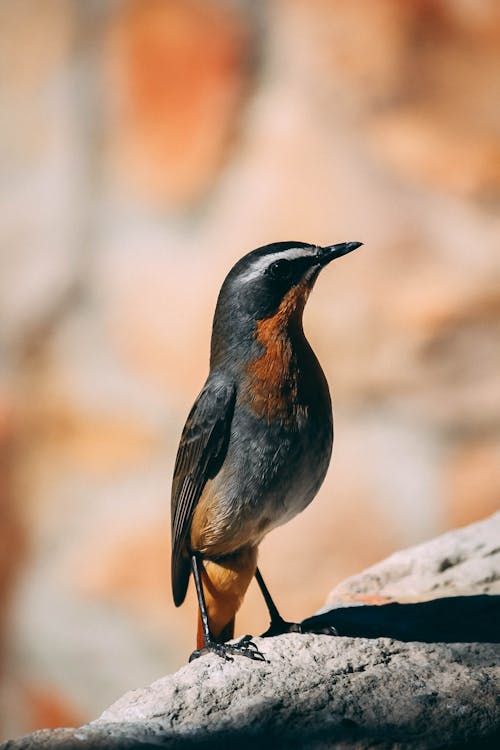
<point x="224" y="585"/>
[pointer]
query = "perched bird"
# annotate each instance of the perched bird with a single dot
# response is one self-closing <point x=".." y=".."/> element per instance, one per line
<point x="257" y="442"/>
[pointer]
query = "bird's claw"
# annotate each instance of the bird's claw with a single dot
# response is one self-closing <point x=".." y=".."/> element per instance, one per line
<point x="278" y="627"/>
<point x="320" y="630"/>
<point x="247" y="642"/>
<point x="244" y="647"/>
<point x="212" y="647"/>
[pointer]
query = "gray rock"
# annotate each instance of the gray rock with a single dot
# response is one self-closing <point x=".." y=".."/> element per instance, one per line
<point x="460" y="563"/>
<point x="317" y="691"/>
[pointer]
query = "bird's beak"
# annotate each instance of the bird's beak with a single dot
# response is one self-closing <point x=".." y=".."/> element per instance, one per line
<point x="326" y="254"/>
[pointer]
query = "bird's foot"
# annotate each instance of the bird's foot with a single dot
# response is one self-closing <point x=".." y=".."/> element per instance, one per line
<point x="244" y="647"/>
<point x="278" y="627"/>
<point x="318" y="629"/>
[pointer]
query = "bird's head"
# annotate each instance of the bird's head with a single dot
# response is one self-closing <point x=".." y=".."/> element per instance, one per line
<point x="273" y="281"/>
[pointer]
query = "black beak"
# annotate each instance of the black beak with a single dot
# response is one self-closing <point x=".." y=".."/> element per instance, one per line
<point x="326" y="254"/>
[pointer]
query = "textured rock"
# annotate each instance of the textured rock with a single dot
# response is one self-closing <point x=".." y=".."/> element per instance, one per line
<point x="461" y="562"/>
<point x="318" y="691"/>
<point x="314" y="691"/>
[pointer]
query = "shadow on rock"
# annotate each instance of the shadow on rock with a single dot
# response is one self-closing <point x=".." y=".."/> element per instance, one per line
<point x="345" y="734"/>
<point x="454" y="619"/>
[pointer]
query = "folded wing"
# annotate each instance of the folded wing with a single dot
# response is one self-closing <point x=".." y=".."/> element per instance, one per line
<point x="201" y="453"/>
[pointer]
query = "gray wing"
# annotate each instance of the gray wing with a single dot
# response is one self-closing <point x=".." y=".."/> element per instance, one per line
<point x="201" y="452"/>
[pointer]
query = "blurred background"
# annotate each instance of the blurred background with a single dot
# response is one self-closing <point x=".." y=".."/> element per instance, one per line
<point x="145" y="145"/>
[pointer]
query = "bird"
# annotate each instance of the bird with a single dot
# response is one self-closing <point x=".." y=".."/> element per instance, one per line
<point x="257" y="442"/>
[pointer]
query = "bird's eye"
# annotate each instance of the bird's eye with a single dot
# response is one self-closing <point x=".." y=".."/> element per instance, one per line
<point x="280" y="269"/>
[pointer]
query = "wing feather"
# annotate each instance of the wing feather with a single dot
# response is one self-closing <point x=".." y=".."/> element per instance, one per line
<point x="201" y="452"/>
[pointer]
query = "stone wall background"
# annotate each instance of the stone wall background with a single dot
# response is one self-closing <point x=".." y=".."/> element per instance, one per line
<point x="144" y="147"/>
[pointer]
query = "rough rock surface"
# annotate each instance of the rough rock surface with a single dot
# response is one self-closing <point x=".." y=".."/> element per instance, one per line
<point x="346" y="692"/>
<point x="462" y="562"/>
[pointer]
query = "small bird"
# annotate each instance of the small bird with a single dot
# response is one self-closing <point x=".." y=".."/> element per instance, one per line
<point x="257" y="442"/>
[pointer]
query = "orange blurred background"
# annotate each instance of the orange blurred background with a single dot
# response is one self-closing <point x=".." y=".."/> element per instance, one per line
<point x="144" y="147"/>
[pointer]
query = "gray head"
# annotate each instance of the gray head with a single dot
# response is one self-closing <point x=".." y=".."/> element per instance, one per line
<point x="273" y="280"/>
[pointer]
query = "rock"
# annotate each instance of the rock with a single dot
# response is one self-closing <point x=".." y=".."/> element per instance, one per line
<point x="462" y="562"/>
<point x="317" y="691"/>
<point x="313" y="692"/>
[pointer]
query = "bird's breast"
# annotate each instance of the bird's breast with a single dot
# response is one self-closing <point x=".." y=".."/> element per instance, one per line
<point x="279" y="448"/>
<point x="285" y="382"/>
<point x="270" y="475"/>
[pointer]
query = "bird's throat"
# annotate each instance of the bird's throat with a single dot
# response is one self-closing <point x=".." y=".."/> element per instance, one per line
<point x="273" y="378"/>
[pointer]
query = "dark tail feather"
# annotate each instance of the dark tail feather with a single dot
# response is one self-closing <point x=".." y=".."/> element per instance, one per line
<point x="181" y="570"/>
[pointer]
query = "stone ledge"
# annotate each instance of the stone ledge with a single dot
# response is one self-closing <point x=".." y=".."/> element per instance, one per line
<point x="345" y="692"/>
<point x="462" y="562"/>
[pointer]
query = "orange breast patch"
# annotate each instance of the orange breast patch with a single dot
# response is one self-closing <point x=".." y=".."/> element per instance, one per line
<point x="273" y="378"/>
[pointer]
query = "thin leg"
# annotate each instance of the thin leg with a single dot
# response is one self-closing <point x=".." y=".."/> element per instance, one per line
<point x="244" y="647"/>
<point x="278" y="624"/>
<point x="195" y="564"/>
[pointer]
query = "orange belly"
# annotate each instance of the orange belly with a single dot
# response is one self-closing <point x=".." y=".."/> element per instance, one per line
<point x="224" y="584"/>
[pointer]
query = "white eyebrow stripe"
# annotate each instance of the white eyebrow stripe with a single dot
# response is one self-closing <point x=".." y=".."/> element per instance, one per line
<point x="260" y="264"/>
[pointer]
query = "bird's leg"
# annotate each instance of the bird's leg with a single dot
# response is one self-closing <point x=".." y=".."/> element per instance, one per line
<point x="244" y="647"/>
<point x="278" y="624"/>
